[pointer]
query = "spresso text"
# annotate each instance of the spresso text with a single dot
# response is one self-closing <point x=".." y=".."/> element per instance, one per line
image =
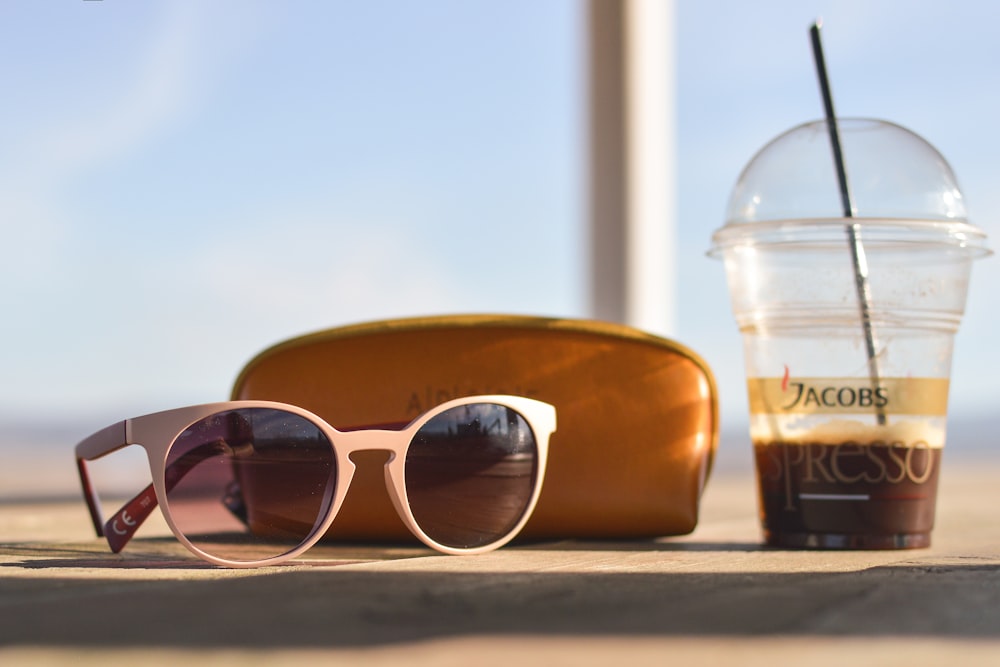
<point x="851" y="463"/>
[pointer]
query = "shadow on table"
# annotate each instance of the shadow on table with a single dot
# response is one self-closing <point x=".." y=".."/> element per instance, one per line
<point x="165" y="553"/>
<point x="304" y="607"/>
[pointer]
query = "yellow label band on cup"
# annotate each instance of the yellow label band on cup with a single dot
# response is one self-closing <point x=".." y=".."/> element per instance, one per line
<point x="894" y="396"/>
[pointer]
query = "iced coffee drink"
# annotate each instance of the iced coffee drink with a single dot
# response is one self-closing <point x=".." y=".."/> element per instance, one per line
<point x="848" y="404"/>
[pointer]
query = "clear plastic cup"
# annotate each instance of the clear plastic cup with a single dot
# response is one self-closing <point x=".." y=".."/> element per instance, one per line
<point x="848" y="363"/>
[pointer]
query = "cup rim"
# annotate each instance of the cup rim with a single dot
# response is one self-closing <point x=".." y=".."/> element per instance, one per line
<point x="820" y="233"/>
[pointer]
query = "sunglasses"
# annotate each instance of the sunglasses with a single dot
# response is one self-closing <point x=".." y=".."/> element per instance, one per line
<point x="250" y="483"/>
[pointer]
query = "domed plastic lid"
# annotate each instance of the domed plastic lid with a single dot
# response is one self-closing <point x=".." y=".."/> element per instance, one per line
<point x="897" y="180"/>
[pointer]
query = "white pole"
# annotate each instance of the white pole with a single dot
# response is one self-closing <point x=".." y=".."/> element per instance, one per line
<point x="632" y="167"/>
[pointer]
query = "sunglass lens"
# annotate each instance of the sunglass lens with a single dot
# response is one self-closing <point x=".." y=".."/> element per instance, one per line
<point x="250" y="483"/>
<point x="471" y="473"/>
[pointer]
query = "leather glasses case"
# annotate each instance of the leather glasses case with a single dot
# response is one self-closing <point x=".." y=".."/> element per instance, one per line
<point x="637" y="414"/>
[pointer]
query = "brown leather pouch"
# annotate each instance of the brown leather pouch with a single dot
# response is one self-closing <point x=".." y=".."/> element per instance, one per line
<point x="637" y="414"/>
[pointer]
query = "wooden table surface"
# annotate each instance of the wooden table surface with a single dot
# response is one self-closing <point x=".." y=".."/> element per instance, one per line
<point x="716" y="595"/>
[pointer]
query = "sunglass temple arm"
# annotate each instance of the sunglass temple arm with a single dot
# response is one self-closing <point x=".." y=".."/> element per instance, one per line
<point x="92" y="447"/>
<point x="120" y="528"/>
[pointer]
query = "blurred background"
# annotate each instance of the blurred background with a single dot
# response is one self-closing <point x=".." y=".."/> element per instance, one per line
<point x="185" y="183"/>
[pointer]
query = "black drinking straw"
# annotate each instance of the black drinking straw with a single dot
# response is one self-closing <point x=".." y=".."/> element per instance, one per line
<point x="847" y="204"/>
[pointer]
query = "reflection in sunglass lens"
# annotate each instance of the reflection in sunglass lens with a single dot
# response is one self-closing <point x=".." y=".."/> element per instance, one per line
<point x="470" y="474"/>
<point x="250" y="483"/>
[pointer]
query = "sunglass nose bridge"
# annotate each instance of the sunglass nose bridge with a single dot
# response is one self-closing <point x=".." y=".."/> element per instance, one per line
<point x="351" y="443"/>
<point x="370" y="458"/>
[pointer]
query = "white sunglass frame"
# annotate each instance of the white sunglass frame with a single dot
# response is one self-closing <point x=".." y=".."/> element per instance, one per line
<point x="157" y="432"/>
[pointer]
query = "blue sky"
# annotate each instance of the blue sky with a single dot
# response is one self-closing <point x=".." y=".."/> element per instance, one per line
<point x="185" y="183"/>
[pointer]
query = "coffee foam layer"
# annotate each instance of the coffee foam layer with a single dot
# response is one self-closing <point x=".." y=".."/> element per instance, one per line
<point x="838" y="431"/>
